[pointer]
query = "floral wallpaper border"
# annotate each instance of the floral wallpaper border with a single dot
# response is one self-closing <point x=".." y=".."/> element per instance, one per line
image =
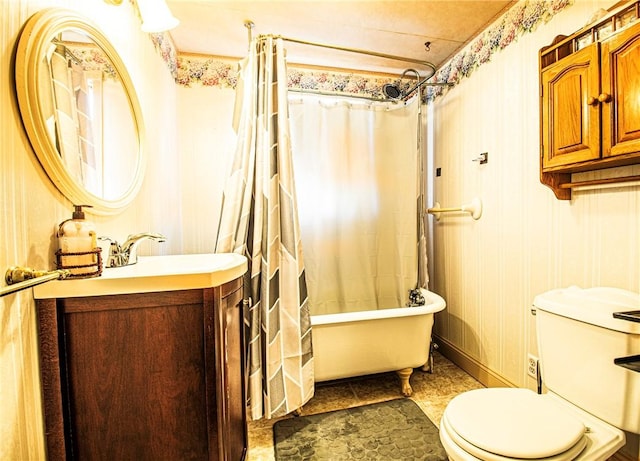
<point x="195" y="71"/>
<point x="522" y="18"/>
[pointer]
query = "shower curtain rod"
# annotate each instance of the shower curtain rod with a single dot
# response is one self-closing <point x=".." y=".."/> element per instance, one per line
<point x="360" y="51"/>
<point x="250" y="25"/>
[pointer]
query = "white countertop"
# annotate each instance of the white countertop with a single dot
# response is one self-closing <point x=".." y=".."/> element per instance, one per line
<point x="151" y="273"/>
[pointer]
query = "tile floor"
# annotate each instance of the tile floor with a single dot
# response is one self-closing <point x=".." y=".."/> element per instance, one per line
<point x="431" y="391"/>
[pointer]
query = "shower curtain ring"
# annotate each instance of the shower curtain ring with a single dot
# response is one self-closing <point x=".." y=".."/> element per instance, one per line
<point x="249" y="24"/>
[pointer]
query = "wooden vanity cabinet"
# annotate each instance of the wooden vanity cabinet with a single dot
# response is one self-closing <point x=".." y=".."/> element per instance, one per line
<point x="150" y="376"/>
<point x="589" y="89"/>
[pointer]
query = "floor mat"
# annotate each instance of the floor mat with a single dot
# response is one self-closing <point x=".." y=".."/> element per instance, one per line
<point x="396" y="429"/>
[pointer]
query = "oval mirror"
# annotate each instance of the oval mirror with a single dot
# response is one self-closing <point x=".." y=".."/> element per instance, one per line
<point x="80" y="110"/>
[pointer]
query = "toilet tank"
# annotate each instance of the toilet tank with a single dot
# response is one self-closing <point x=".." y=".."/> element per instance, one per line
<point x="578" y="340"/>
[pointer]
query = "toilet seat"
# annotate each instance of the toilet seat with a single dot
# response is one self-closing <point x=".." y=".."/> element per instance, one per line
<point x="499" y="424"/>
<point x="454" y="443"/>
<point x="467" y="452"/>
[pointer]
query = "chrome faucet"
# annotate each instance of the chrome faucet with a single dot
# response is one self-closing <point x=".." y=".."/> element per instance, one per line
<point x="127" y="253"/>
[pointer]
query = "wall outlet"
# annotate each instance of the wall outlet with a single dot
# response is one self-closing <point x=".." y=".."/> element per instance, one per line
<point x="532" y="366"/>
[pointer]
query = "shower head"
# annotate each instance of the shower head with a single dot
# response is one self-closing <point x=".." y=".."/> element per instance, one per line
<point x="392" y="91"/>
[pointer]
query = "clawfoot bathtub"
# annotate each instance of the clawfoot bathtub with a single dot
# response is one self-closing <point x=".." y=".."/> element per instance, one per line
<point x="362" y="343"/>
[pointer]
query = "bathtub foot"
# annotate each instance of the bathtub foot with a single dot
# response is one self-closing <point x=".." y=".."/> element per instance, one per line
<point x="404" y="376"/>
<point x="428" y="367"/>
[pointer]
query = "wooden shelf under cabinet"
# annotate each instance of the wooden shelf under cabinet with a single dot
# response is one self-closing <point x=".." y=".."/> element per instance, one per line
<point x="152" y="376"/>
<point x="589" y="93"/>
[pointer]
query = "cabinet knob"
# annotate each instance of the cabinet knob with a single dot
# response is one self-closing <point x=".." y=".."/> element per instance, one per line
<point x="604" y="97"/>
<point x="592" y="101"/>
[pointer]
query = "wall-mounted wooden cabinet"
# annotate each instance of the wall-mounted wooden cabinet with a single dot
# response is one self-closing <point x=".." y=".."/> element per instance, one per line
<point x="590" y="100"/>
<point x="150" y="376"/>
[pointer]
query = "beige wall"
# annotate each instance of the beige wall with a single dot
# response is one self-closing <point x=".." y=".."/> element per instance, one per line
<point x="527" y="241"/>
<point x="207" y="143"/>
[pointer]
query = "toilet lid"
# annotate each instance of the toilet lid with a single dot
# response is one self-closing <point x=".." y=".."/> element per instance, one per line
<point x="514" y="423"/>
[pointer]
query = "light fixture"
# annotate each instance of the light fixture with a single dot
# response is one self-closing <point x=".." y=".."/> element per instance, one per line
<point x="156" y="16"/>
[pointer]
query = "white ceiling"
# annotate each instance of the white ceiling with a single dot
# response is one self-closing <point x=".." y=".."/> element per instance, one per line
<point x="216" y="27"/>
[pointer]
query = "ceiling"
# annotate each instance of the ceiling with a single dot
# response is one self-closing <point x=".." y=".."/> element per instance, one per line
<point x="391" y="27"/>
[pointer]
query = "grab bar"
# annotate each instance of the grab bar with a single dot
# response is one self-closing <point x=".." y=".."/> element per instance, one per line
<point x="20" y="278"/>
<point x="474" y="208"/>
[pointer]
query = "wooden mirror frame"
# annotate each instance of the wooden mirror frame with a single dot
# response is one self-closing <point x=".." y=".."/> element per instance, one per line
<point x="36" y="36"/>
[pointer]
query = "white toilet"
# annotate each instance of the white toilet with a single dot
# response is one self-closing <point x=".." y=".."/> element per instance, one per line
<point x="590" y="400"/>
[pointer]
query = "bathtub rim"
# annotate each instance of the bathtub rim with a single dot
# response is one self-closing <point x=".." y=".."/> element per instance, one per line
<point x="434" y="303"/>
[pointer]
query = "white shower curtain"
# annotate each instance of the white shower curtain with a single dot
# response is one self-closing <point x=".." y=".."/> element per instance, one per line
<point x="357" y="177"/>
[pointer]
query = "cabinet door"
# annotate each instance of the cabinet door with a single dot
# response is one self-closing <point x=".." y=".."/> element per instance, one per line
<point x="570" y="110"/>
<point x="230" y="373"/>
<point x="133" y="371"/>
<point x="620" y="94"/>
<point x="236" y="408"/>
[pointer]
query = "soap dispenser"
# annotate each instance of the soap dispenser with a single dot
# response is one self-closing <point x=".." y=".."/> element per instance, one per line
<point x="77" y="245"/>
